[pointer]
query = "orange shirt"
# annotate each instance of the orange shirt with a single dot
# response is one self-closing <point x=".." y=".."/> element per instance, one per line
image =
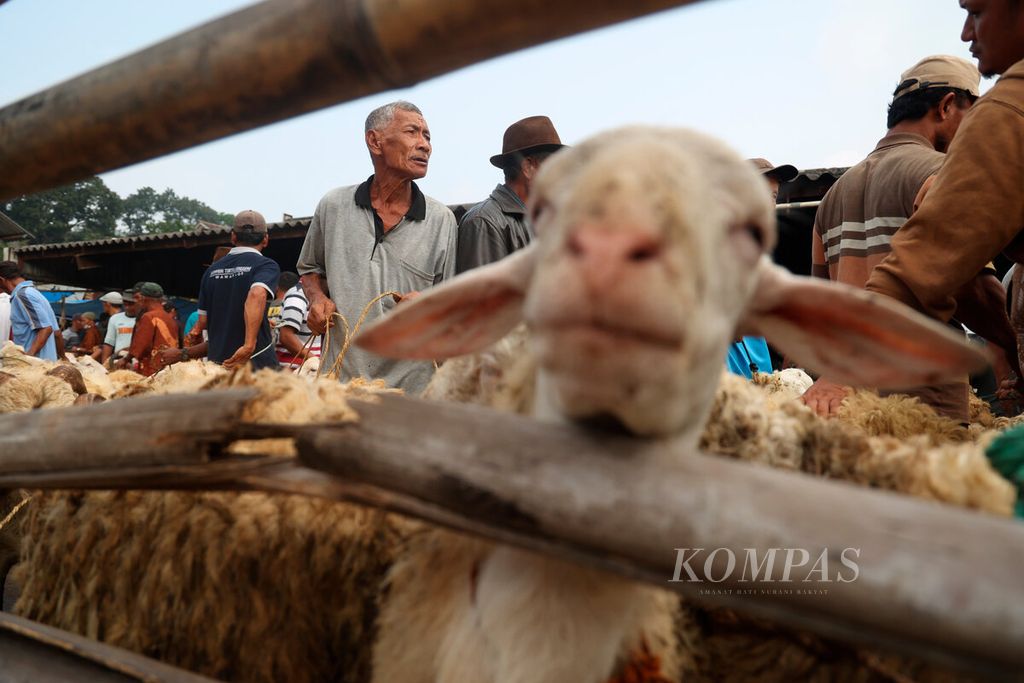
<point x="90" y="339"/>
<point x="155" y="331"/>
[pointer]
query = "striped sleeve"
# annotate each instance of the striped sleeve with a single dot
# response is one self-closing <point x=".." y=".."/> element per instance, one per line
<point x="294" y="310"/>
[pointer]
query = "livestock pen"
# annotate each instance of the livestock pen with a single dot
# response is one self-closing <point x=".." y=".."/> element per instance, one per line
<point x="504" y="478"/>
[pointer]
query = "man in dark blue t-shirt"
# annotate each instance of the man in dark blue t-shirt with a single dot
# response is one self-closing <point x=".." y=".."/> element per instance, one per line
<point x="233" y="299"/>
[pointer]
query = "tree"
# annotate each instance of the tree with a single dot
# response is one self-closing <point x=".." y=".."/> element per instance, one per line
<point x="138" y="210"/>
<point x="84" y="210"/>
<point x="147" y="211"/>
<point x="89" y="209"/>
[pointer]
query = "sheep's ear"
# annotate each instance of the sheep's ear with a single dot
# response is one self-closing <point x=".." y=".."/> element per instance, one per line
<point x="463" y="315"/>
<point x="855" y="337"/>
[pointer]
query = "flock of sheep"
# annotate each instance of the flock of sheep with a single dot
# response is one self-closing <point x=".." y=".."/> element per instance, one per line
<point x="650" y="258"/>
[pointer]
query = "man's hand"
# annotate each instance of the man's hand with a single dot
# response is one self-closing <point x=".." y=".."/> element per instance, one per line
<point x="239" y="357"/>
<point x="825" y="397"/>
<point x="170" y="356"/>
<point x="408" y="296"/>
<point x="320" y="314"/>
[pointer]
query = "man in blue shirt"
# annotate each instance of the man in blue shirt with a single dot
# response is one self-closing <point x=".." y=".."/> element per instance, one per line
<point x="233" y="299"/>
<point x="750" y="354"/>
<point x="33" y="324"/>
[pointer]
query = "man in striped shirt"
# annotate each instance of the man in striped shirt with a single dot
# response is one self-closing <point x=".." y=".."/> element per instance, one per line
<point x="33" y="324"/>
<point x="870" y="202"/>
<point x="293" y="332"/>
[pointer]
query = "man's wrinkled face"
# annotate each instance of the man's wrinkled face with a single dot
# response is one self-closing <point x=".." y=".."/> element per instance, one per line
<point x="403" y="145"/>
<point x="995" y="31"/>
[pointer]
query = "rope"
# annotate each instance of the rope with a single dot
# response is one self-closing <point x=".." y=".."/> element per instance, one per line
<point x="327" y="341"/>
<point x="349" y="336"/>
<point x="302" y="352"/>
<point x="13" y="512"/>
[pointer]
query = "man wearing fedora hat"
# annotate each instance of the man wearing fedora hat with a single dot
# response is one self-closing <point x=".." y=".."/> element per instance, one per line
<point x="862" y="213"/>
<point x="497" y="226"/>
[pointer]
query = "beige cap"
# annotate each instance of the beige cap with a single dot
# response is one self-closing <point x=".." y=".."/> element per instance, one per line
<point x="940" y="71"/>
<point x="250" y="221"/>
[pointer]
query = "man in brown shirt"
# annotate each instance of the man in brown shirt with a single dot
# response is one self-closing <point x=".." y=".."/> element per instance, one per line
<point x="976" y="207"/>
<point x="155" y="330"/>
<point x="870" y="202"/>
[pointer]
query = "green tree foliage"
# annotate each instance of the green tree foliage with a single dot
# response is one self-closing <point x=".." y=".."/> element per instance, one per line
<point x="89" y="210"/>
<point x="147" y="211"/>
<point x="85" y="210"/>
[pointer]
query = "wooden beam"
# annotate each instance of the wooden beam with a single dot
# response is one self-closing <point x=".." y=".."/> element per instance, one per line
<point x="932" y="580"/>
<point x="34" y="652"/>
<point x="265" y="63"/>
<point x="176" y="429"/>
<point x="935" y="581"/>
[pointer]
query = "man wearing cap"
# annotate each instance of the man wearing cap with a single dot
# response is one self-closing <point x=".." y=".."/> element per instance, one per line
<point x="233" y="298"/>
<point x="870" y="202"/>
<point x="975" y="208"/>
<point x="381" y="236"/>
<point x="33" y="324"/>
<point x="119" y="326"/>
<point x="496" y="227"/>
<point x="748" y="355"/>
<point x="155" y="329"/>
<point x="775" y="175"/>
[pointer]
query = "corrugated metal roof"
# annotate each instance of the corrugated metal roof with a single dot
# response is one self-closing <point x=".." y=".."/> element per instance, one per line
<point x="205" y="229"/>
<point x="815" y="173"/>
<point x="9" y="230"/>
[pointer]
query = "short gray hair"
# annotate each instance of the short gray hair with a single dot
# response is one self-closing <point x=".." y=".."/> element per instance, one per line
<point x="383" y="115"/>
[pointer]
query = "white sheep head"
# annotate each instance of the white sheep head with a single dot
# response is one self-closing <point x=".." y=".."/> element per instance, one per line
<point x="650" y="259"/>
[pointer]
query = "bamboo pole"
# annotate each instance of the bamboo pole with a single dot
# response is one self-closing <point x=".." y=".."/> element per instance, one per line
<point x="934" y="581"/>
<point x="265" y="63"/>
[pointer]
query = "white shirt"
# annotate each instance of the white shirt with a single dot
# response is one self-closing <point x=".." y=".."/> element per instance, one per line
<point x="5" y="317"/>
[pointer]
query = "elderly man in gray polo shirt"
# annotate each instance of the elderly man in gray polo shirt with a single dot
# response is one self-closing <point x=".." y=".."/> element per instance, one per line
<point x="381" y="236"/>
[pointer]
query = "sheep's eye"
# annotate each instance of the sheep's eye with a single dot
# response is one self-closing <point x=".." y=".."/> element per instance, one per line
<point x="756" y="233"/>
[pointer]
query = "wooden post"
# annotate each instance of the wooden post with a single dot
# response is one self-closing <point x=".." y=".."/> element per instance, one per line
<point x="265" y="63"/>
<point x="931" y="580"/>
<point x="175" y="429"/>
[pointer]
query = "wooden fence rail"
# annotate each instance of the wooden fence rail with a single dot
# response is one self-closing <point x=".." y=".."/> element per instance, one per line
<point x="41" y="654"/>
<point x="932" y="580"/>
<point x="265" y="63"/>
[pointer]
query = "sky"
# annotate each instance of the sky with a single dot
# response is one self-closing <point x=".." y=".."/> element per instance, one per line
<point x="804" y="82"/>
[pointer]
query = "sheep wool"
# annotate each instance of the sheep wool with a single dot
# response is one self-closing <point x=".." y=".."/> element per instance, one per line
<point x="240" y="586"/>
<point x="249" y="586"/>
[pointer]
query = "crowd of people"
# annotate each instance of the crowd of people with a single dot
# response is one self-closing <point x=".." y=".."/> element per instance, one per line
<point x="920" y="219"/>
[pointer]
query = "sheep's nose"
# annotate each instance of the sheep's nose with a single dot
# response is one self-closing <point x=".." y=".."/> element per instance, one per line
<point x="606" y="255"/>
